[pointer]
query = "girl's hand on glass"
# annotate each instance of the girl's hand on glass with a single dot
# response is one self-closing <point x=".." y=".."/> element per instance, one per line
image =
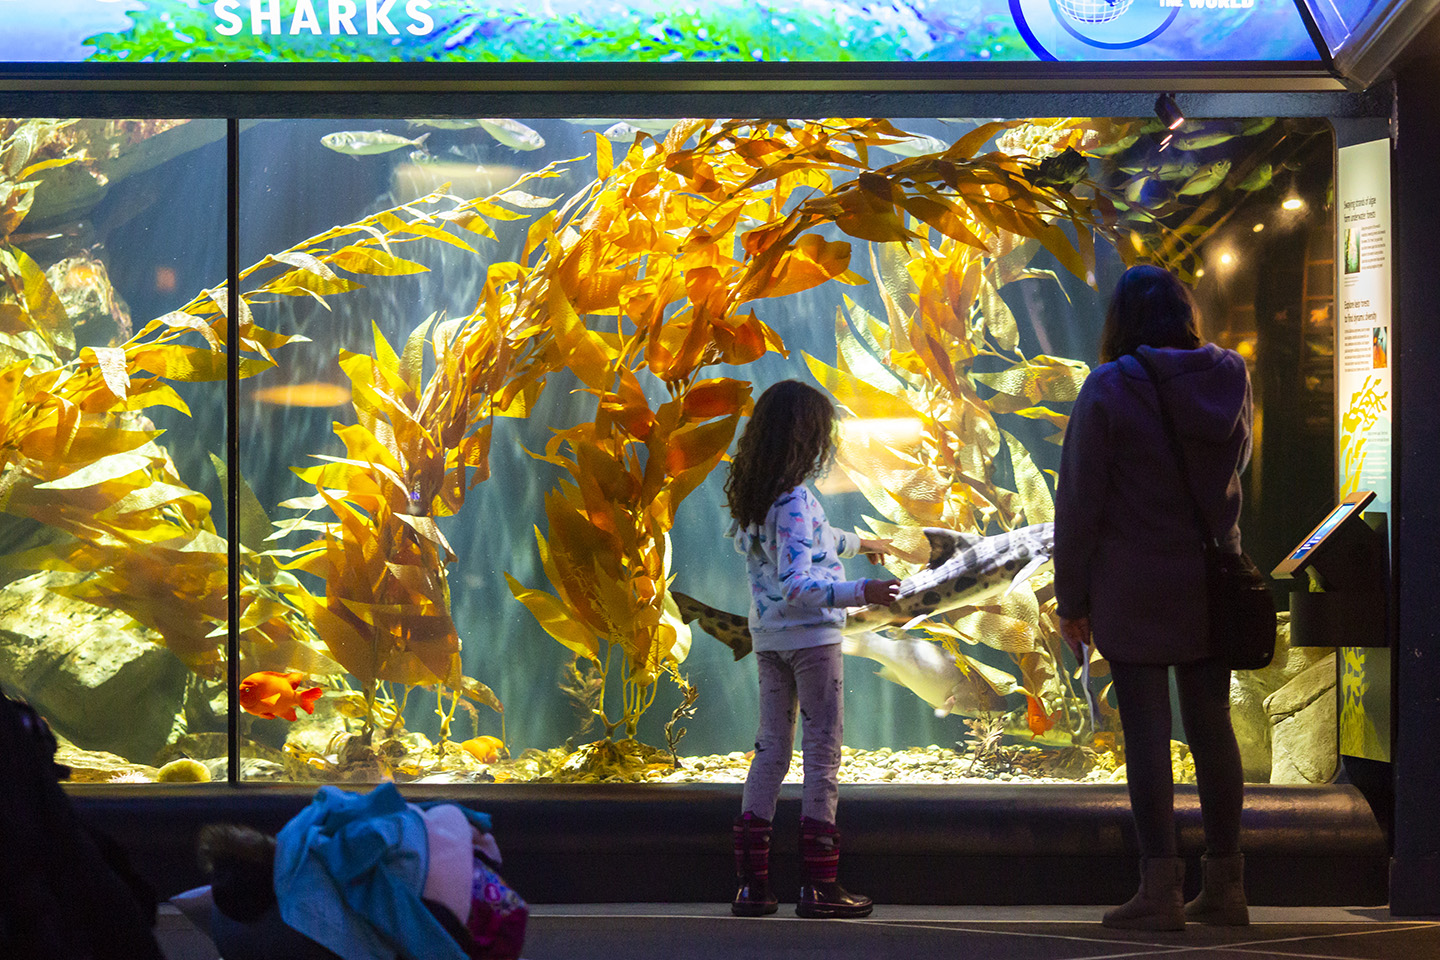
<point x="881" y="592"/>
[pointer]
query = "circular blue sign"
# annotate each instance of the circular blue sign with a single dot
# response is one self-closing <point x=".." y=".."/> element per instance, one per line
<point x="1090" y="29"/>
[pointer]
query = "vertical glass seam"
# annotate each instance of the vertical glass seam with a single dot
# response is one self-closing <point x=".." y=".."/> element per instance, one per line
<point x="232" y="444"/>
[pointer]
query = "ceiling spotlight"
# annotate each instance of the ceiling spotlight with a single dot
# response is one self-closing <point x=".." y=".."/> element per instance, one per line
<point x="1258" y="227"/>
<point x="1169" y="111"/>
<point x="1293" y="203"/>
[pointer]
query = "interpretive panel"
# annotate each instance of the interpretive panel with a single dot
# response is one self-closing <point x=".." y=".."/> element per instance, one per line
<point x="1363" y="404"/>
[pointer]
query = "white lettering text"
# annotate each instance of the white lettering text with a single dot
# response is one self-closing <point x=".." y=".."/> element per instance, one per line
<point x="375" y="15"/>
<point x="423" y="24"/>
<point x="264" y="13"/>
<point x="225" y="10"/>
<point x="305" y="18"/>
<point x="342" y="15"/>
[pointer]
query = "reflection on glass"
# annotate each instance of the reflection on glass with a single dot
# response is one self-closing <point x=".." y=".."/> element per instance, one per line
<point x="490" y="370"/>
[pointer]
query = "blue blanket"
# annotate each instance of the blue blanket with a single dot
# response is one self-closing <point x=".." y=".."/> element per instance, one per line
<point x="349" y="870"/>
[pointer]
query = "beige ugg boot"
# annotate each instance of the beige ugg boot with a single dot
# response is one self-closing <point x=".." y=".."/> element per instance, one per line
<point x="1159" y="904"/>
<point x="1222" y="897"/>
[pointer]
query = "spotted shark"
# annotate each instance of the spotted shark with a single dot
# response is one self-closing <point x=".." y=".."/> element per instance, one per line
<point x="964" y="569"/>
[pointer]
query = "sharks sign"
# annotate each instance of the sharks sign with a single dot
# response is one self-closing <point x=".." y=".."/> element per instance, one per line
<point x="649" y="31"/>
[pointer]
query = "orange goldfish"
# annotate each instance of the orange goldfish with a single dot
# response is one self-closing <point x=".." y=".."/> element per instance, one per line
<point x="269" y="694"/>
<point x="484" y="749"/>
<point x="1036" y="717"/>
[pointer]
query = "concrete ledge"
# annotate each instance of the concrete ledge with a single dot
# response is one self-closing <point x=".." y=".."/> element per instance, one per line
<point x="903" y="844"/>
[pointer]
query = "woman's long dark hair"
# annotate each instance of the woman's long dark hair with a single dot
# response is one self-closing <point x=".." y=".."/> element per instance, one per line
<point x="790" y="437"/>
<point x="1150" y="308"/>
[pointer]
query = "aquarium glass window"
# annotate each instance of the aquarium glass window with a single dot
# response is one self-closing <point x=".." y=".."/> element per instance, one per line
<point x="495" y="366"/>
<point x="650" y="31"/>
<point x="112" y="376"/>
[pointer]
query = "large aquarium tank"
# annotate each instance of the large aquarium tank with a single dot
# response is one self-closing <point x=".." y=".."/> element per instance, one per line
<point x="488" y="374"/>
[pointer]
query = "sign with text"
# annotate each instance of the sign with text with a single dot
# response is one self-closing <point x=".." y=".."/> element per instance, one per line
<point x="1363" y="405"/>
<point x="649" y="31"/>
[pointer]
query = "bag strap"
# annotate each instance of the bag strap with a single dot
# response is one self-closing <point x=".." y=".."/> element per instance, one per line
<point x="1205" y="536"/>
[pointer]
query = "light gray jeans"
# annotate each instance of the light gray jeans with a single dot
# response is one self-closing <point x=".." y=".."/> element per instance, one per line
<point x="812" y="678"/>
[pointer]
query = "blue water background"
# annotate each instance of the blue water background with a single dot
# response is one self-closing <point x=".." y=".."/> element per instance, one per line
<point x="503" y="646"/>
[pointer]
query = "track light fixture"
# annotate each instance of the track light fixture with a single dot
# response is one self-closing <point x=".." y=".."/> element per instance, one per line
<point x="1169" y="111"/>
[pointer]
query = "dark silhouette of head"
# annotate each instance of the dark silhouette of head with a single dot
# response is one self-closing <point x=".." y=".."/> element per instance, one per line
<point x="1150" y="308"/>
<point x="240" y="862"/>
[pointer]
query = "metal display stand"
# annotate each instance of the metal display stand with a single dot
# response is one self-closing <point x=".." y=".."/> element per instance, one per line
<point x="1342" y="600"/>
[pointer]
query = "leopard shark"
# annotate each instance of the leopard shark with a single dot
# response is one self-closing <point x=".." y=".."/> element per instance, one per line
<point x="964" y="569"/>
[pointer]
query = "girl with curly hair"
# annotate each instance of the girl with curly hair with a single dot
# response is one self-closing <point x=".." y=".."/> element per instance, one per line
<point x="798" y="597"/>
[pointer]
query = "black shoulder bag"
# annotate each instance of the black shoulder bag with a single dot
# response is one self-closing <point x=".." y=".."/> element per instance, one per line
<point x="1242" y="611"/>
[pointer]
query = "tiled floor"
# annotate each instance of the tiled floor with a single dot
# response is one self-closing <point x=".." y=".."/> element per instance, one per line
<point x="703" y="931"/>
<point x="706" y="931"/>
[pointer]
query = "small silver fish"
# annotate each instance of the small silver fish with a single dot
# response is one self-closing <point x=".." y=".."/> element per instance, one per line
<point x="513" y="133"/>
<point x="654" y="125"/>
<point x="364" y="142"/>
<point x="621" y="132"/>
<point x="446" y="123"/>
<point x="915" y="146"/>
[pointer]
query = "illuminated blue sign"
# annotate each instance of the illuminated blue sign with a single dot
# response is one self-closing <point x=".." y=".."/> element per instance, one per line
<point x="649" y="31"/>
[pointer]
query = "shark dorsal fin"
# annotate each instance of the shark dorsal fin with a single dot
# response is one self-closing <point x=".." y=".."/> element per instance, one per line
<point x="945" y="543"/>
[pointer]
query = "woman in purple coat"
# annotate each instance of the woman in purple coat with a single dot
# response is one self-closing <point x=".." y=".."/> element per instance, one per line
<point x="1130" y="576"/>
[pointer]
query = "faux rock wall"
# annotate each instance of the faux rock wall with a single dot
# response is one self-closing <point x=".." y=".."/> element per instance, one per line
<point x="97" y="678"/>
<point x="1284" y="715"/>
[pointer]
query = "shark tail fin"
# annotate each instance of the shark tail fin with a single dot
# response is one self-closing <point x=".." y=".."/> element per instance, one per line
<point x="690" y="608"/>
<point x="729" y="628"/>
<point x="945" y="543"/>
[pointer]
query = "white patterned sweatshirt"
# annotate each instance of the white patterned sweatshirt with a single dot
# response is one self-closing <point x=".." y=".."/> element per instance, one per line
<point x="798" y="593"/>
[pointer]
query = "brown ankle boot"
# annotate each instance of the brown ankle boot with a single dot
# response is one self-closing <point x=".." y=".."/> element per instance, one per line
<point x="1159" y="904"/>
<point x="820" y="892"/>
<point x="752" y="867"/>
<point x="1222" y="897"/>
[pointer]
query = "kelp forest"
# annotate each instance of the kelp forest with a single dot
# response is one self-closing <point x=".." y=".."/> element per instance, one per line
<point x="612" y="351"/>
